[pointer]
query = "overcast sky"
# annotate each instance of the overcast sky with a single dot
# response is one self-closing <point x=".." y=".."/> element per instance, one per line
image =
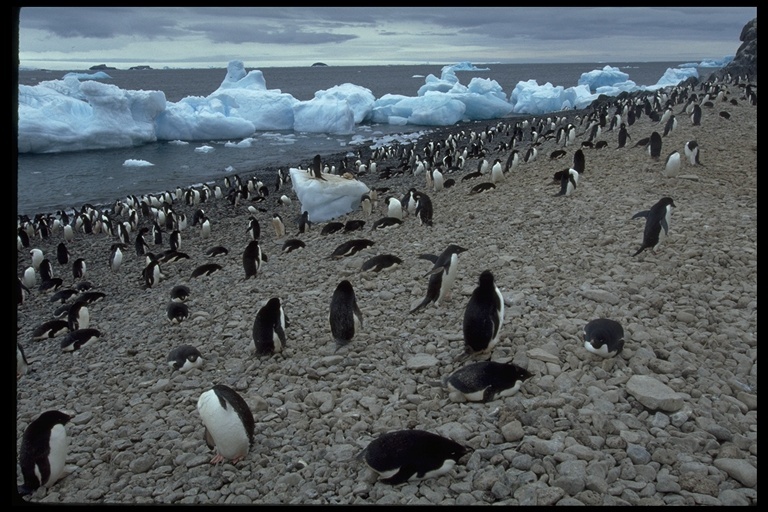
<point x="63" y="38"/>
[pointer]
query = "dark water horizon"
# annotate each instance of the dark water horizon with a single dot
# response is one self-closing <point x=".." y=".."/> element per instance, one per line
<point x="49" y="182"/>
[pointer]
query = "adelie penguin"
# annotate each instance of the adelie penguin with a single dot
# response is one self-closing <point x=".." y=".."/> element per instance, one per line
<point x="62" y="254"/>
<point x="692" y="152"/>
<point x="579" y="162"/>
<point x="152" y="274"/>
<point x="176" y="312"/>
<point x="278" y="225"/>
<point x="394" y="208"/>
<point x="483" y="317"/>
<point x="206" y="269"/>
<point x="654" y="145"/>
<point x="116" y="256"/>
<point x="424" y="209"/>
<point x="351" y="247"/>
<point x="568" y="181"/>
<point x="254" y="229"/>
<point x="253" y="256"/>
<point x="78" y="316"/>
<point x="316" y="168"/>
<point x="332" y="227"/>
<point x="43" y="451"/>
<point x="623" y="136"/>
<point x="46" y="270"/>
<point x="403" y="455"/>
<point x="441" y="276"/>
<point x="268" y="335"/>
<point x="50" y="329"/>
<point x="292" y="244"/>
<point x="78" y="268"/>
<point x="672" y="165"/>
<point x="386" y="223"/>
<point x="79" y="338"/>
<point x="345" y="317"/>
<point x="353" y="225"/>
<point x="184" y="358"/>
<point x="604" y="337"/>
<point x="228" y="421"/>
<point x="22" y="364"/>
<point x="304" y="223"/>
<point x="484" y="381"/>
<point x="218" y="250"/>
<point x="656" y="221"/>
<point x="380" y="262"/>
<point x="180" y="293"/>
<point x="482" y="187"/>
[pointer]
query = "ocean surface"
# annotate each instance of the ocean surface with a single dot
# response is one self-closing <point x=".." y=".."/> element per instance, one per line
<point x="49" y="182"/>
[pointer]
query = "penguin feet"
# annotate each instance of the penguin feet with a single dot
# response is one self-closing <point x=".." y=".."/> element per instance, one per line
<point x="217" y="459"/>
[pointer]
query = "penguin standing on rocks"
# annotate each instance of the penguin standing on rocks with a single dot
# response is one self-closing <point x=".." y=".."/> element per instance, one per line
<point x="228" y="421"/>
<point x="253" y="256"/>
<point x="43" y="452"/>
<point x="278" y="225"/>
<point x="345" y="316"/>
<point x="483" y="316"/>
<point x="269" y="328"/>
<point x="254" y="229"/>
<point x="656" y="222"/>
<point x="441" y="277"/>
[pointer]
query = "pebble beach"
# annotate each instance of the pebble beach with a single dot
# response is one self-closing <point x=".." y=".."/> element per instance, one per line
<point x="672" y="420"/>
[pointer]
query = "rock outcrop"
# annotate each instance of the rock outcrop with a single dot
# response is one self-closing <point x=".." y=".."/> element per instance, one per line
<point x="744" y="63"/>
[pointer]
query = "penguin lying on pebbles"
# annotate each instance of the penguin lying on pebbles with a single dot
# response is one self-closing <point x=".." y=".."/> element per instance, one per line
<point x="80" y="338"/>
<point x="411" y="454"/>
<point x="184" y="358"/>
<point x="604" y="337"/>
<point x="484" y="381"/>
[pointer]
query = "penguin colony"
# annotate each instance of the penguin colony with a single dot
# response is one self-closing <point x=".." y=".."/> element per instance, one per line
<point x="225" y="414"/>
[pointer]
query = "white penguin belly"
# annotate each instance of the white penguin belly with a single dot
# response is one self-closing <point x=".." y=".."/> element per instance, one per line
<point x="58" y="456"/>
<point x="224" y="426"/>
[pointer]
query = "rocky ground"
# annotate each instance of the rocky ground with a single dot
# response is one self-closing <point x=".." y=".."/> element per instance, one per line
<point x="671" y="420"/>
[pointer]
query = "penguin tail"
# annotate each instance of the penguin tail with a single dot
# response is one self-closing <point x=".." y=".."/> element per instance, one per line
<point x="421" y="305"/>
<point x="461" y="357"/>
<point x="641" y="249"/>
<point x="340" y="343"/>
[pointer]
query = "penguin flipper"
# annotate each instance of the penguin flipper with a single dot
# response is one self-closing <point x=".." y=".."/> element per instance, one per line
<point x="643" y="213"/>
<point x="430" y="257"/>
<point x="665" y="226"/>
<point x="280" y="333"/>
<point x="421" y="305"/>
